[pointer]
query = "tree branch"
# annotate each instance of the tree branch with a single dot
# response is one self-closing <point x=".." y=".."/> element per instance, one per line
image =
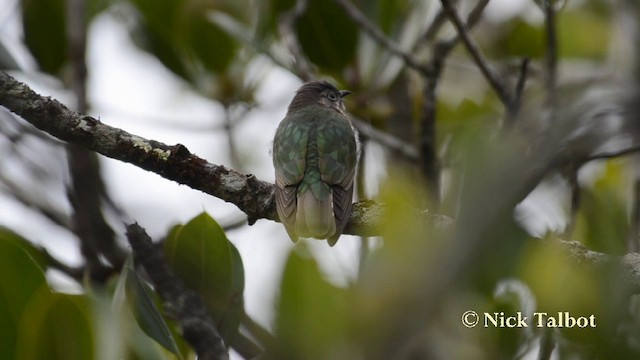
<point x="174" y="162"/>
<point x="613" y="154"/>
<point x="489" y="73"/>
<point x="629" y="264"/>
<point x="551" y="55"/>
<point x="374" y="32"/>
<point x="252" y="196"/>
<point x="429" y="161"/>
<point x="390" y="142"/>
<point x="180" y="302"/>
<point x="516" y="101"/>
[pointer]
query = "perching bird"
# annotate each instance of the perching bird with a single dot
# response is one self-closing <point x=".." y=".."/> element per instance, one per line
<point x="315" y="154"/>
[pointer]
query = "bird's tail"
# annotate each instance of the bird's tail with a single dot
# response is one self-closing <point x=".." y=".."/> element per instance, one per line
<point x="314" y="217"/>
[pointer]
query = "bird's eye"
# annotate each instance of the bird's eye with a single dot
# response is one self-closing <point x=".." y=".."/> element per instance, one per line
<point x="332" y="96"/>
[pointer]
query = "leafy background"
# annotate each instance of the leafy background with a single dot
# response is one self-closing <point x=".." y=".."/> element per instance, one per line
<point x="217" y="76"/>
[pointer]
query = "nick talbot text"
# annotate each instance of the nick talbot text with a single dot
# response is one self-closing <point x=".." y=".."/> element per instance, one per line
<point x="561" y="319"/>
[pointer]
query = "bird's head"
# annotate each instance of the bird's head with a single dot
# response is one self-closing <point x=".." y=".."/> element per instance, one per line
<point x="319" y="92"/>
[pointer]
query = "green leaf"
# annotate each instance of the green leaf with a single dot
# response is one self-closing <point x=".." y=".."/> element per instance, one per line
<point x="183" y="38"/>
<point x="44" y="25"/>
<point x="161" y="46"/>
<point x="231" y="321"/>
<point x="147" y="314"/>
<point x="327" y="35"/>
<point x="390" y="13"/>
<point x="520" y="39"/>
<point x="211" y="45"/>
<point x="312" y="320"/>
<point x="202" y="256"/>
<point x="583" y="34"/>
<point x="602" y="220"/>
<point x="56" y="326"/>
<point x="20" y="277"/>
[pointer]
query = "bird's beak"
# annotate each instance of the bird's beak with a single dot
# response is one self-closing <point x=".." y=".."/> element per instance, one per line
<point x="344" y="93"/>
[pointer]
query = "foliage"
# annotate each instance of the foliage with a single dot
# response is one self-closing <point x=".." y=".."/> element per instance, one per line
<point x="412" y="291"/>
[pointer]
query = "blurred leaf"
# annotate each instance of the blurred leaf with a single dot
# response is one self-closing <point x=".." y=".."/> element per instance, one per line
<point x="44" y="25"/>
<point x="56" y="326"/>
<point x="327" y="35"/>
<point x="145" y="310"/>
<point x="45" y="30"/>
<point x="202" y="256"/>
<point x="390" y="13"/>
<point x="561" y="285"/>
<point x="271" y="12"/>
<point x="20" y="278"/>
<point x="231" y="321"/>
<point x="212" y="46"/>
<point x="150" y="39"/>
<point x="312" y="321"/>
<point x="520" y="39"/>
<point x="136" y="342"/>
<point x="32" y="250"/>
<point x="580" y="32"/>
<point x="162" y="18"/>
<point x="156" y="30"/>
<point x="183" y="37"/>
<point x="602" y="221"/>
<point x="583" y="33"/>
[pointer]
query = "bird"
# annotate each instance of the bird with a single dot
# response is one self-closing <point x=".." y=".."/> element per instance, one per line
<point x="315" y="154"/>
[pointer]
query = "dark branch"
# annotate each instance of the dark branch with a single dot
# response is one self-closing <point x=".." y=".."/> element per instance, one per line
<point x="628" y="264"/>
<point x="613" y="154"/>
<point x="551" y="55"/>
<point x="390" y="142"/>
<point x="180" y="302"/>
<point x="489" y="73"/>
<point x="174" y="162"/>
<point x="516" y="101"/>
<point x="374" y="32"/>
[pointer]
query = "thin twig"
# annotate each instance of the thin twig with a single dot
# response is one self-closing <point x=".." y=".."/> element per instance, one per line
<point x="86" y="189"/>
<point x="429" y="161"/>
<point x="472" y="19"/>
<point x="547" y="344"/>
<point x="257" y="331"/>
<point x="301" y="65"/>
<point x="362" y="194"/>
<point x="376" y="34"/>
<point x="234" y="158"/>
<point x="233" y="224"/>
<point x="489" y="73"/>
<point x="516" y="101"/>
<point x="387" y="140"/>
<point x="633" y="239"/>
<point x="434" y="27"/>
<point x="551" y="56"/>
<point x="28" y="199"/>
<point x="612" y="154"/>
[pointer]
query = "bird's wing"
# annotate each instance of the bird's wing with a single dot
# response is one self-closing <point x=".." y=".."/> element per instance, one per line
<point x="289" y="153"/>
<point x="338" y="156"/>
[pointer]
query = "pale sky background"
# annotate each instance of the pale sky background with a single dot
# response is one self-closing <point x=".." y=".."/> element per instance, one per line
<point x="128" y="89"/>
